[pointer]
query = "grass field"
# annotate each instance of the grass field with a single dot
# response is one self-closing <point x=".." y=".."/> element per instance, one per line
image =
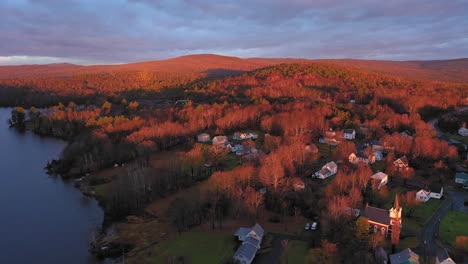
<point x="408" y="242"/>
<point x="196" y="247"/>
<point x="452" y="225"/>
<point x="296" y="252"/>
<point x="422" y="213"/>
<point x="324" y="150"/>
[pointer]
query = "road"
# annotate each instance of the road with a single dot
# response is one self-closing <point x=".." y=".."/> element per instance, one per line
<point x="453" y="201"/>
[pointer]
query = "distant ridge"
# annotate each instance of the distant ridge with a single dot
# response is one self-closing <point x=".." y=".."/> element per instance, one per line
<point x="454" y="70"/>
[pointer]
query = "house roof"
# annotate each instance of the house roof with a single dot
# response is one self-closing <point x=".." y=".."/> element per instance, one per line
<point x="246" y="252"/>
<point x="407" y="256"/>
<point x="461" y="175"/>
<point x="379" y="176"/>
<point x="243" y="231"/>
<point x="442" y="255"/>
<point x="324" y="171"/>
<point x="258" y="230"/>
<point x="403" y="159"/>
<point x="422" y="191"/>
<point x="377" y="215"/>
<point x="252" y="241"/>
<point x="349" y="131"/>
<point x="331" y="165"/>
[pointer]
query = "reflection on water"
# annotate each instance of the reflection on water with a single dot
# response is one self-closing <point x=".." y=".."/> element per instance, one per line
<point x="42" y="219"/>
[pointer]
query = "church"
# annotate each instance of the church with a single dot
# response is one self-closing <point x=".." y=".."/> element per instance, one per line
<point x="385" y="222"/>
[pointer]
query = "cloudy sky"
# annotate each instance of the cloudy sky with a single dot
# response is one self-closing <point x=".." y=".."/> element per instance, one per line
<point x="118" y="31"/>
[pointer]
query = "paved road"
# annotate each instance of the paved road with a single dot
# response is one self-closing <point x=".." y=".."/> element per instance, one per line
<point x="429" y="246"/>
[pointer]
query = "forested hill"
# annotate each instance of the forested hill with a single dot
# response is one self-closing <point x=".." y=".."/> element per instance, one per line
<point x="202" y="64"/>
<point x="254" y="80"/>
<point x="455" y="70"/>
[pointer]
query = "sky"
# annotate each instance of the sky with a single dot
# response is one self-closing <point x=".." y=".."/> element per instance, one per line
<point x="121" y="31"/>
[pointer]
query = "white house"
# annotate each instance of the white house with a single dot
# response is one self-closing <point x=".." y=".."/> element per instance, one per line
<point x="327" y="170"/>
<point x="236" y="148"/>
<point x="401" y="163"/>
<point x="220" y="141"/>
<point x="463" y="131"/>
<point x="203" y="137"/>
<point x="361" y="158"/>
<point x="461" y="177"/>
<point x="434" y="191"/>
<point x="349" y="134"/>
<point x="244" y="136"/>
<point x="381" y="178"/>
<point x="423" y="196"/>
<point x="251" y="239"/>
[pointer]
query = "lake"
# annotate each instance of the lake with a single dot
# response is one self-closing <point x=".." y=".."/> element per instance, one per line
<point x="42" y="219"/>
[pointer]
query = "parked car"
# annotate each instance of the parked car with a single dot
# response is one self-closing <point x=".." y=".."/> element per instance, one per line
<point x="465" y="186"/>
<point x="314" y="226"/>
<point x="307" y="226"/>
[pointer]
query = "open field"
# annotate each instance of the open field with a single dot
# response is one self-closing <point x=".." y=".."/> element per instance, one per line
<point x="421" y="214"/>
<point x="194" y="246"/>
<point x="452" y="225"/>
<point x="296" y="252"/>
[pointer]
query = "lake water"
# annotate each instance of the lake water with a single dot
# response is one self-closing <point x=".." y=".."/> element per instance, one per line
<point x="42" y="219"/>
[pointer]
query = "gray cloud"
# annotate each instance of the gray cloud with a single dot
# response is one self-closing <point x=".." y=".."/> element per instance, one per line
<point x="115" y="31"/>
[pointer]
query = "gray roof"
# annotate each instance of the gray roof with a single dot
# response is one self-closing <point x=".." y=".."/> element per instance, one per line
<point x="377" y="215"/>
<point x="245" y="253"/>
<point x="252" y="241"/>
<point x="348" y="131"/>
<point x="258" y="230"/>
<point x="404" y="257"/>
<point x="242" y="231"/>
<point x="461" y="175"/>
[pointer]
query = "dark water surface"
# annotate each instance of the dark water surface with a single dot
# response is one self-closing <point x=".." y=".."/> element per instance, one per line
<point x="42" y="219"/>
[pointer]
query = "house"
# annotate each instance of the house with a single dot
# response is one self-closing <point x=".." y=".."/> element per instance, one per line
<point x="377" y="145"/>
<point x="203" y="137"/>
<point x="436" y="190"/>
<point x="423" y="195"/>
<point x="461" y="177"/>
<point x="407" y="256"/>
<point x="353" y="212"/>
<point x="236" y="148"/>
<point x="443" y="257"/>
<point x="244" y="136"/>
<point x="330" y="134"/>
<point x="327" y="170"/>
<point x="298" y="184"/>
<point x="329" y="141"/>
<point x="463" y="131"/>
<point x="378" y="155"/>
<point x="349" y="134"/>
<point x="251" y="239"/>
<point x="407" y="134"/>
<point x="311" y="148"/>
<point x="381" y="178"/>
<point x="220" y="141"/>
<point x="383" y="221"/>
<point x="361" y="158"/>
<point x="401" y="163"/>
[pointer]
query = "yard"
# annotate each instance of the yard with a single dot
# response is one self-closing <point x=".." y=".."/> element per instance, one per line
<point x="296" y="252"/>
<point x="421" y="214"/>
<point x="452" y="225"/>
<point x="194" y="246"/>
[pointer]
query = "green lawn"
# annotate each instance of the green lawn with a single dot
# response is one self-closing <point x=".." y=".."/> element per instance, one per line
<point x="296" y="252"/>
<point x="231" y="161"/>
<point x="421" y="214"/>
<point x="452" y="225"/>
<point x="197" y="247"/>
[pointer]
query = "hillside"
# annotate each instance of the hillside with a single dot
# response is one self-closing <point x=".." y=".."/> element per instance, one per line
<point x="439" y="70"/>
<point x="203" y="64"/>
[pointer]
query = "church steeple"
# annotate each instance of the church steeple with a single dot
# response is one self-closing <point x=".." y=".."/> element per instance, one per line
<point x="395" y="221"/>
